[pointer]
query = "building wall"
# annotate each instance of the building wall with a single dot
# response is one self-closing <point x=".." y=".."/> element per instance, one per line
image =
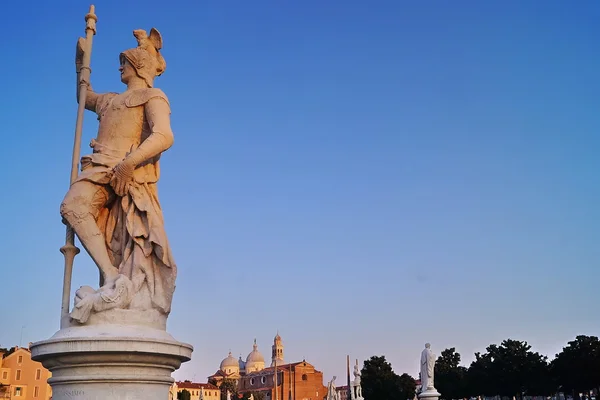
<point x="195" y="389"/>
<point x="299" y="381"/>
<point x="28" y="379"/>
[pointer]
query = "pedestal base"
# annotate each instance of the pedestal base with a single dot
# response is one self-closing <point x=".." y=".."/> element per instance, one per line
<point x="116" y="362"/>
<point x="429" y="394"/>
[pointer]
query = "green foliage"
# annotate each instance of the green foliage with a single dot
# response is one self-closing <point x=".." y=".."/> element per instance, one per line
<point x="257" y="395"/>
<point x="379" y="381"/>
<point x="184" y="395"/>
<point x="510" y="369"/>
<point x="450" y="377"/>
<point x="228" y="385"/>
<point x="407" y="385"/>
<point x="577" y="366"/>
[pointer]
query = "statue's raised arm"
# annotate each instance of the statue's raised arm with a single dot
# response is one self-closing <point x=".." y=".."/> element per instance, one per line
<point x="91" y="97"/>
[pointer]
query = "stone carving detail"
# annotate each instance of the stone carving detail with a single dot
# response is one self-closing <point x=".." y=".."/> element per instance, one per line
<point x="113" y="204"/>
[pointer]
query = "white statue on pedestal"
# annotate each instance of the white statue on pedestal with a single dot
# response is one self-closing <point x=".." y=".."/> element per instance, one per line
<point x="356" y="391"/>
<point x="331" y="391"/>
<point x="251" y="397"/>
<point x="228" y="395"/>
<point x="427" y="369"/>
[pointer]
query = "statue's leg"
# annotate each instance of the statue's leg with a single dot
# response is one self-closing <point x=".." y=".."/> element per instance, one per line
<point x="80" y="209"/>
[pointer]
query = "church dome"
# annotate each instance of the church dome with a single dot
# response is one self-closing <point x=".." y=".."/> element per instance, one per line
<point x="229" y="363"/>
<point x="255" y="361"/>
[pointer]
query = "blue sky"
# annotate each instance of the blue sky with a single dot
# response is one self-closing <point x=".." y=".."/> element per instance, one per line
<point x="361" y="176"/>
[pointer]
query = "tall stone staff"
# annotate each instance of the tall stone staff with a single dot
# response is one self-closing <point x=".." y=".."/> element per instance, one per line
<point x="69" y="250"/>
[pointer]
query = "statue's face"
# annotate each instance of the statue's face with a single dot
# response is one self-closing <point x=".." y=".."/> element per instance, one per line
<point x="127" y="71"/>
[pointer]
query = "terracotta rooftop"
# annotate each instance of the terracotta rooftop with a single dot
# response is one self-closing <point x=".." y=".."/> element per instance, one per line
<point x="279" y="368"/>
<point x="194" y="385"/>
<point x="220" y="373"/>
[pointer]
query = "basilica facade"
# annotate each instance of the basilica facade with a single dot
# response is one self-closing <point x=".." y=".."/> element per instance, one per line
<point x="278" y="381"/>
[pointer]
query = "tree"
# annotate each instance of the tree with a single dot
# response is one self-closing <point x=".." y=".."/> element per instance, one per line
<point x="408" y="386"/>
<point x="510" y="369"/>
<point x="480" y="377"/>
<point x="228" y="385"/>
<point x="257" y="395"/>
<point x="379" y="380"/>
<point x="450" y="377"/>
<point x="577" y="367"/>
<point x="184" y="395"/>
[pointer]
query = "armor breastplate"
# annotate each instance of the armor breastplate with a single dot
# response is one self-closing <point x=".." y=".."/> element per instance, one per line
<point x="120" y="126"/>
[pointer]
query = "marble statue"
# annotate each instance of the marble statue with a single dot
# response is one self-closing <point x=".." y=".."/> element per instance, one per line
<point x="356" y="388"/>
<point x="427" y="368"/>
<point x="113" y="344"/>
<point x="113" y="203"/>
<point x="332" y="393"/>
<point x="251" y="397"/>
<point x="228" y="395"/>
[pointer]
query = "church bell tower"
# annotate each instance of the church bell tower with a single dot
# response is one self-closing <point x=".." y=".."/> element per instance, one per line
<point x="277" y="351"/>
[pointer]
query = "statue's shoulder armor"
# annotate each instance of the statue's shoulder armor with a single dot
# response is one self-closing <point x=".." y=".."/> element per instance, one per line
<point x="142" y="96"/>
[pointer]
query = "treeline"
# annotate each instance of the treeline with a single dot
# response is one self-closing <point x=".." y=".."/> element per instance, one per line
<point x="507" y="370"/>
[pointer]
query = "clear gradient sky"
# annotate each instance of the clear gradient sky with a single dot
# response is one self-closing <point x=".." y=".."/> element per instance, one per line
<point x="363" y="176"/>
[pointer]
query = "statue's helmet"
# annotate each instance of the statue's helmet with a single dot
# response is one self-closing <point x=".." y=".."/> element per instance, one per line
<point x="146" y="57"/>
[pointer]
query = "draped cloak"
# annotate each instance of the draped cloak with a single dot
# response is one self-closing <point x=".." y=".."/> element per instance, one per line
<point x="133" y="225"/>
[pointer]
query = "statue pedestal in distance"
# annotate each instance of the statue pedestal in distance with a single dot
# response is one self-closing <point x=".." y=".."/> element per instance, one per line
<point x="113" y="343"/>
<point x="429" y="394"/>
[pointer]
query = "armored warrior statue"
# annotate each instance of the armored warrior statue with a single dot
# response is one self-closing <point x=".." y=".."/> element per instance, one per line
<point x="113" y="204"/>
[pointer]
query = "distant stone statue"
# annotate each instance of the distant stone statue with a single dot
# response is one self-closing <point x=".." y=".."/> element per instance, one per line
<point x="228" y="395"/>
<point x="113" y="204"/>
<point x="427" y="368"/>
<point x="356" y="388"/>
<point x="331" y="390"/>
<point x="251" y="397"/>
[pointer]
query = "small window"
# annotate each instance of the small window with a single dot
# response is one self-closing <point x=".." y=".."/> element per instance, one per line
<point x="18" y="375"/>
<point x="20" y="359"/>
<point x="36" y="391"/>
<point x="252" y="381"/>
<point x="18" y="391"/>
<point x="4" y="374"/>
<point x="38" y="374"/>
<point x="263" y="379"/>
<point x="305" y="378"/>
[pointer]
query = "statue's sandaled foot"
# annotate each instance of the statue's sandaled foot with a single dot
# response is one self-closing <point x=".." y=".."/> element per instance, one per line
<point x="116" y="293"/>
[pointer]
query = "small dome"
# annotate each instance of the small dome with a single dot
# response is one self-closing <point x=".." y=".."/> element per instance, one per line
<point x="229" y="362"/>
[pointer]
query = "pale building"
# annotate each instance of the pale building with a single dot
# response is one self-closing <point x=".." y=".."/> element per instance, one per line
<point x="198" y="391"/>
<point x="21" y="378"/>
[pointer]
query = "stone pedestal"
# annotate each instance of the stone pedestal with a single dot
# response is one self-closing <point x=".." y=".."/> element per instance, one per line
<point x="103" y="361"/>
<point x="429" y="394"/>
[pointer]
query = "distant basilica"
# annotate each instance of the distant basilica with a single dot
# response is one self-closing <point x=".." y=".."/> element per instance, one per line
<point x="294" y="380"/>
